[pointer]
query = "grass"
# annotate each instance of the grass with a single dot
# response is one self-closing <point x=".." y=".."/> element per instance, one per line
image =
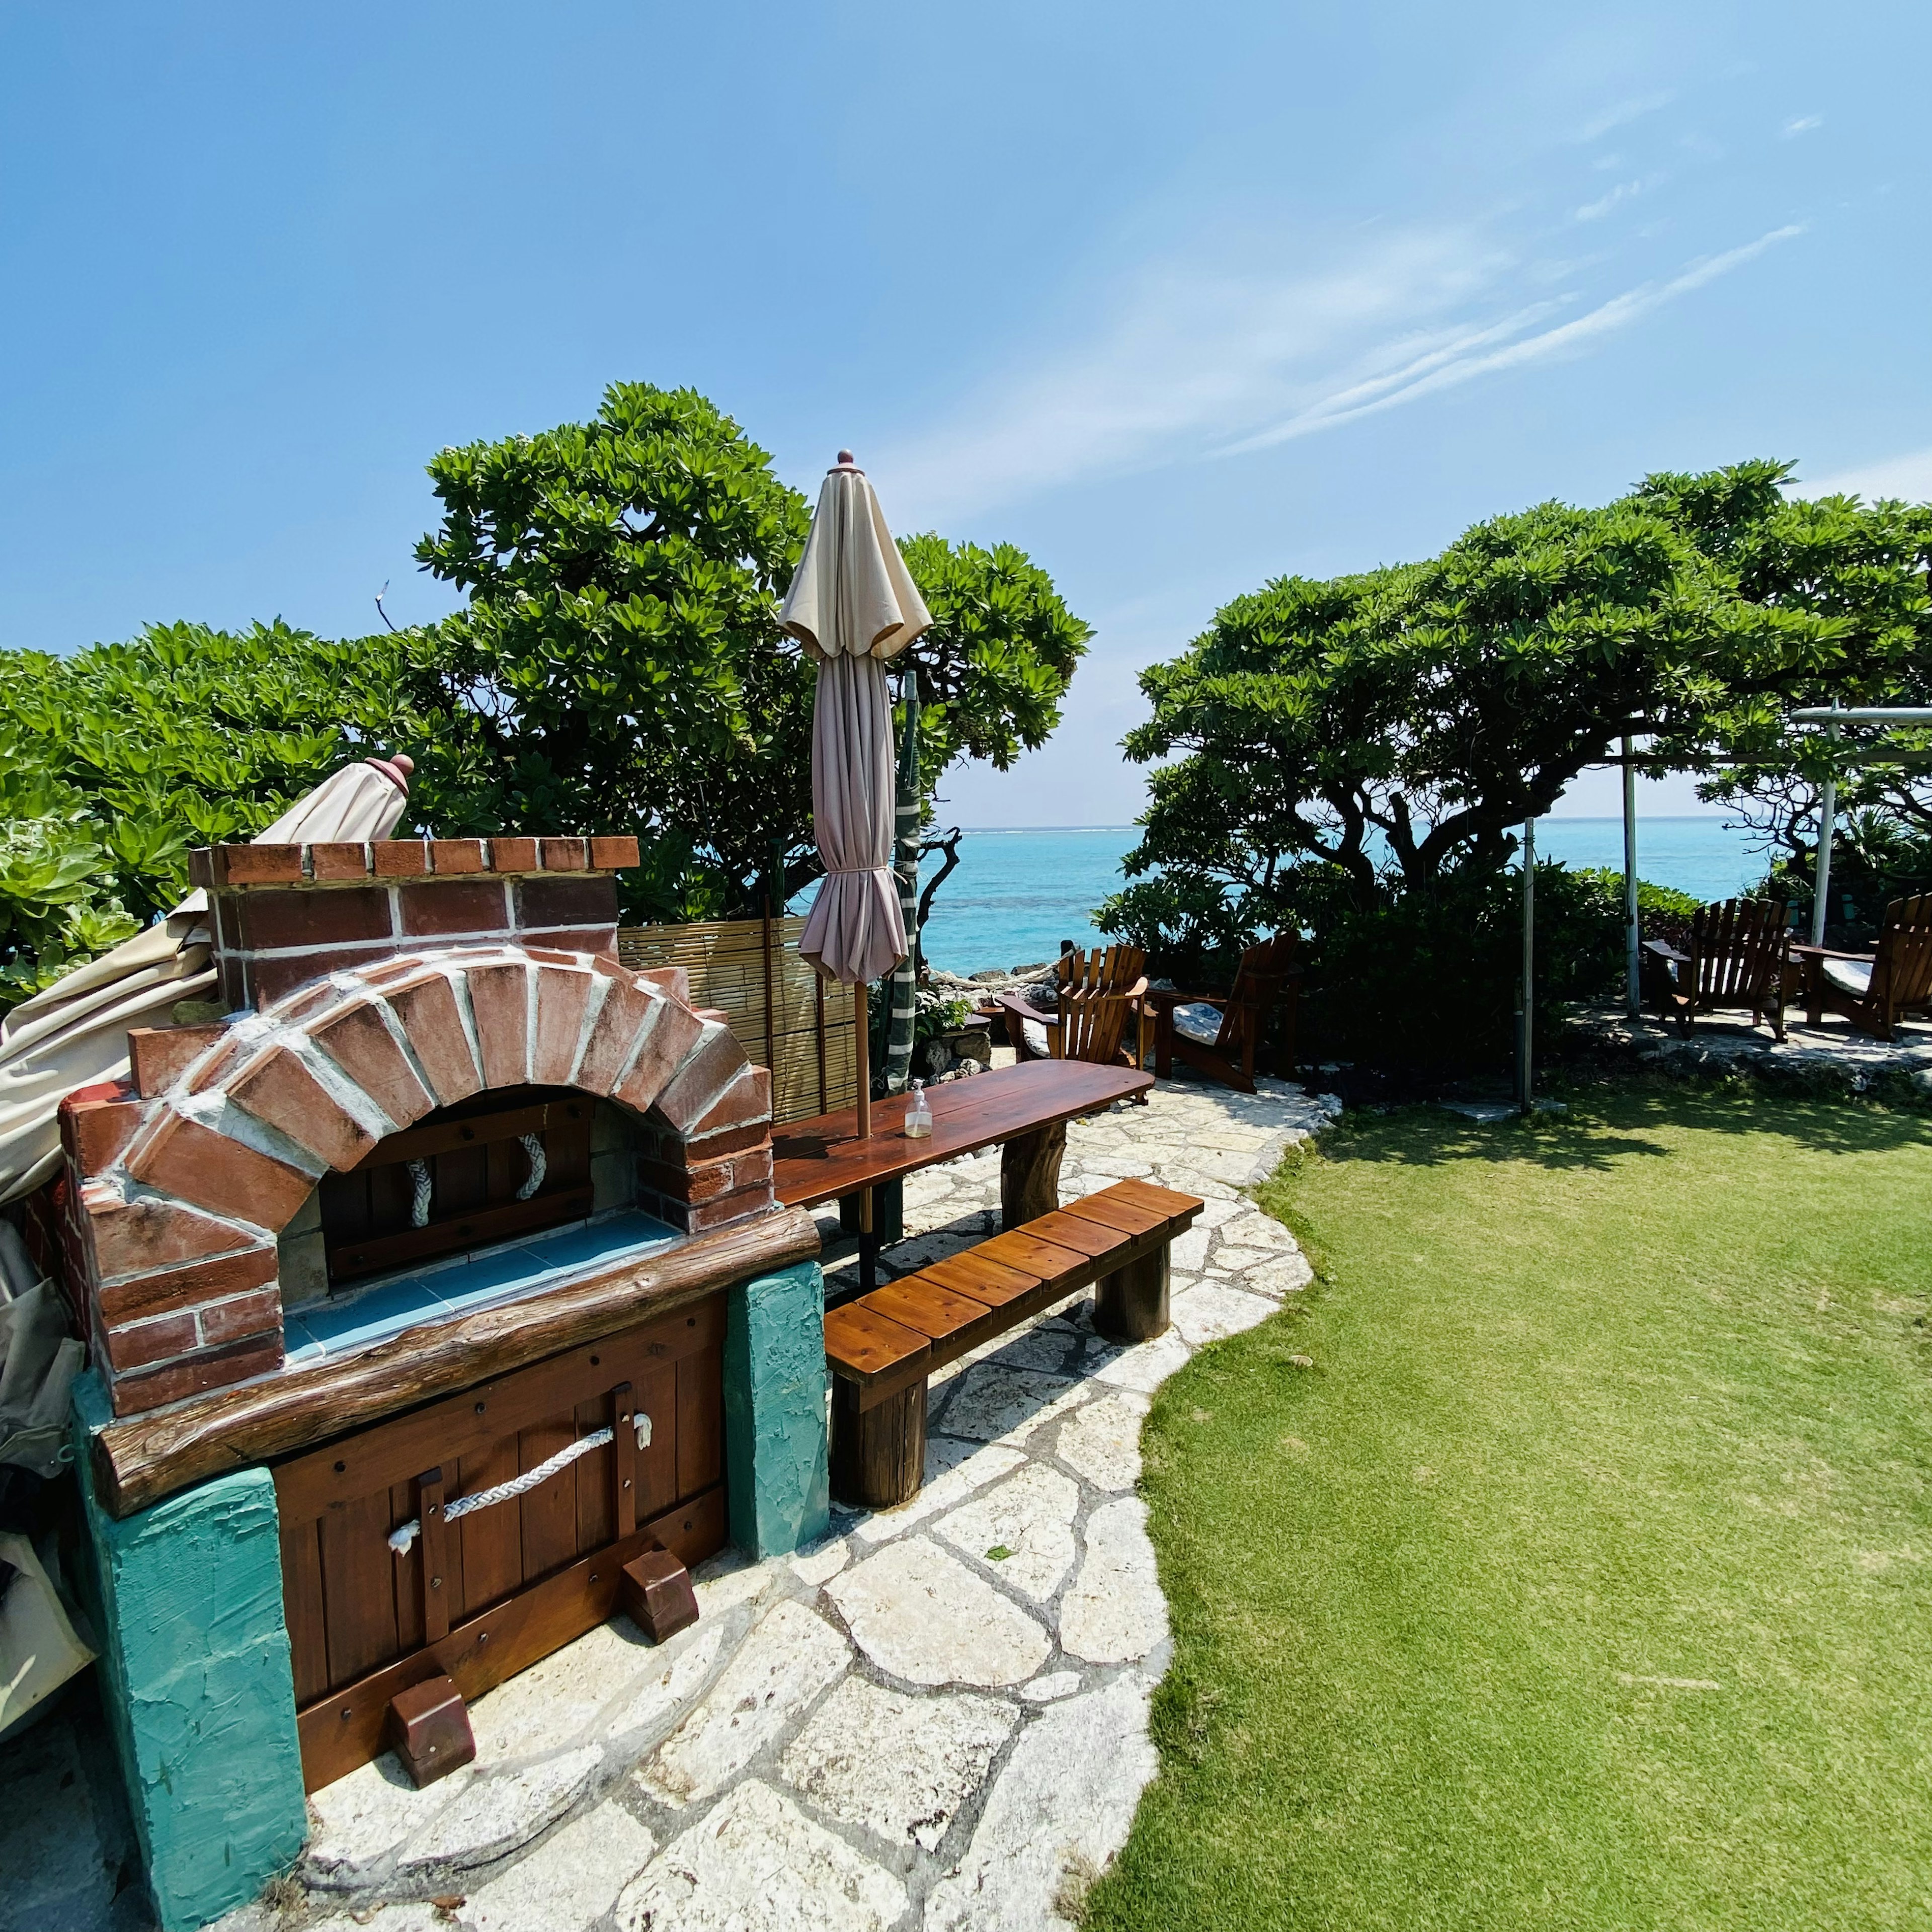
<point x="1585" y="1580"/>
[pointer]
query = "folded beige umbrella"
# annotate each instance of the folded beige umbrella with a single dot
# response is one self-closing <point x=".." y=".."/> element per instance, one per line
<point x="853" y="605"/>
<point x="76" y="1032"/>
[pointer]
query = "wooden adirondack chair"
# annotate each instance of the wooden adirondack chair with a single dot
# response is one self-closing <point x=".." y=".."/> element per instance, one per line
<point x="1113" y="970"/>
<point x="1221" y="1037"/>
<point x="1872" y="990"/>
<point x="1735" y="958"/>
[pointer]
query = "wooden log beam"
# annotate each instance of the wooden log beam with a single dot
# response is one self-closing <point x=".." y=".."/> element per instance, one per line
<point x="140" y="1459"/>
<point x="1030" y="1175"/>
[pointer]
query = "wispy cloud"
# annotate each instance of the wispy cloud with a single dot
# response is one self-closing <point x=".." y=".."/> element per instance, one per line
<point x="1801" y="124"/>
<point x="1595" y="211"/>
<point x="1200" y="365"/>
<point x="1624" y="112"/>
<point x="1909" y="476"/>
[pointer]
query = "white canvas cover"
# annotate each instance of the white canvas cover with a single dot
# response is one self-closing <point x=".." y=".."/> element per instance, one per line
<point x="75" y="1034"/>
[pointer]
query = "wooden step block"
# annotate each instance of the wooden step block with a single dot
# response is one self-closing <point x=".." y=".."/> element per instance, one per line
<point x="654" y="1590"/>
<point x="973" y="1275"/>
<point x="1115" y="1211"/>
<point x="1091" y="1238"/>
<point x="1044" y="1260"/>
<point x="1160" y="1200"/>
<point x="428" y="1728"/>
<point x="864" y="1347"/>
<point x="937" y="1312"/>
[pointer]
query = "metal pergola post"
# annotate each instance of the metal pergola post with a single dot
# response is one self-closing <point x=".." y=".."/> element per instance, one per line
<point x="1632" y="1004"/>
<point x="1526" y="1036"/>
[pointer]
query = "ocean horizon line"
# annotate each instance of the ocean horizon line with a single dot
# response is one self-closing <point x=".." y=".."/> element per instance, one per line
<point x="1548" y="818"/>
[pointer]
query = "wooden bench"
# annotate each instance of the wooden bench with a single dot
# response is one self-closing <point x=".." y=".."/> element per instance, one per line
<point x="881" y="1347"/>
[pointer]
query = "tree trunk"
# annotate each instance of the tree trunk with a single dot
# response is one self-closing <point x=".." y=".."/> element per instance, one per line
<point x="905" y="868"/>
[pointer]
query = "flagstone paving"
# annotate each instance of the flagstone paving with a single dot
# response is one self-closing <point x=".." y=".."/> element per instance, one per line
<point x="934" y="1719"/>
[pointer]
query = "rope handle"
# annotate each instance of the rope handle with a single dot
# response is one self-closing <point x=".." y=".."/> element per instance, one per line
<point x="401" y="1540"/>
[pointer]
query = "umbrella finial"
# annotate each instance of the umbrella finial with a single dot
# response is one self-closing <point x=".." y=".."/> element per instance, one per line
<point x="845" y="459"/>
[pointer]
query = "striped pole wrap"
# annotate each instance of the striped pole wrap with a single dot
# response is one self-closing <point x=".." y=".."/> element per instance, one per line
<point x="905" y="869"/>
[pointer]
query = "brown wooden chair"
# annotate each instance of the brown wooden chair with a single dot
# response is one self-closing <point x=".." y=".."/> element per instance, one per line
<point x="1118" y="971"/>
<point x="1734" y="956"/>
<point x="1220" y="1035"/>
<point x="1873" y="990"/>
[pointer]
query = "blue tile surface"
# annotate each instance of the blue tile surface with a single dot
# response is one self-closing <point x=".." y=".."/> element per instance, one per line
<point x="549" y="1261"/>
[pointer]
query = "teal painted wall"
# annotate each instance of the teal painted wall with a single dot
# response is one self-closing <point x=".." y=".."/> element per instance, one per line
<point x="194" y="1658"/>
<point x="774" y="1446"/>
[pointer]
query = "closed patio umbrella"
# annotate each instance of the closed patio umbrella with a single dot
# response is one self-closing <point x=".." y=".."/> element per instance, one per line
<point x="853" y="605"/>
<point x="75" y="1034"/>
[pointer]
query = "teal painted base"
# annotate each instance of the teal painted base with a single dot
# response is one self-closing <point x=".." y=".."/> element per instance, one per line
<point x="775" y="1447"/>
<point x="186" y="1606"/>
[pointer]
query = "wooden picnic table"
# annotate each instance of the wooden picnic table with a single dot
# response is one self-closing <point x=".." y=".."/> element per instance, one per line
<point x="1022" y="1110"/>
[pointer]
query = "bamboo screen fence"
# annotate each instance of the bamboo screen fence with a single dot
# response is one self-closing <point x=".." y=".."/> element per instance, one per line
<point x="750" y="969"/>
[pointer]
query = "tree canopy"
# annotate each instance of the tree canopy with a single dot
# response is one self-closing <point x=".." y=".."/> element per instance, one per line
<point x="115" y="761"/>
<point x="1340" y="741"/>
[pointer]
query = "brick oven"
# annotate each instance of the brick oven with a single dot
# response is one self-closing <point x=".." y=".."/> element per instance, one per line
<point x="446" y="1195"/>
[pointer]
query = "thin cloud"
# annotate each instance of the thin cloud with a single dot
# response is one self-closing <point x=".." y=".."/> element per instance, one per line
<point x="1566" y="338"/>
<point x="1801" y="123"/>
<point x="1909" y="476"/>
<point x="1620" y="115"/>
<point x="1198" y="365"/>
<point x="1595" y="211"/>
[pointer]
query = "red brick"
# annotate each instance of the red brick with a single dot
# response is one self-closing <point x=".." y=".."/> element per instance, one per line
<point x="234" y="969"/>
<point x="611" y="854"/>
<point x="675" y="1030"/>
<point x="94" y="1133"/>
<point x="162" y="1054"/>
<point x="513" y="855"/>
<point x="147" y="1343"/>
<point x="169" y="1289"/>
<point x="551" y="956"/>
<point x="745" y="1103"/>
<point x="399" y="967"/>
<point x="241" y="1316"/>
<point x="561" y="998"/>
<point x="339" y="860"/>
<point x="360" y="1043"/>
<point x="277" y="1087"/>
<point x="714" y="1015"/>
<point x="201" y="869"/>
<point x="299" y="1005"/>
<point x="458" y="855"/>
<point x="326" y="917"/>
<point x="134" y="1395"/>
<point x="225" y="922"/>
<point x="274" y="977"/>
<point x="400" y="858"/>
<point x="730" y="1207"/>
<point x="613" y="1034"/>
<point x="583" y="942"/>
<point x="675" y="980"/>
<point x="564" y="855"/>
<point x="703" y="1180"/>
<point x="752" y="1166"/>
<point x="181" y="1157"/>
<point x="134" y="1237"/>
<point x="499" y="999"/>
<point x="460" y="905"/>
<point x="257" y="865"/>
<point x="592" y="900"/>
<point x="426" y="1007"/>
<point x="701" y="1079"/>
<point x="729" y="1140"/>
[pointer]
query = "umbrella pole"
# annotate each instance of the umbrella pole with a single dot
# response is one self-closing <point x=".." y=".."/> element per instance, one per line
<point x="861" y="1027"/>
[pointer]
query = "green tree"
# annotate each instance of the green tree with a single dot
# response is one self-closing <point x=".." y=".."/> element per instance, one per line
<point x="619" y="666"/>
<point x="115" y="761"/>
<point x="1342" y="743"/>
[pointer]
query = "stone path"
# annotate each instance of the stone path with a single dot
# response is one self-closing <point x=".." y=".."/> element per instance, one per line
<point x="937" y="1718"/>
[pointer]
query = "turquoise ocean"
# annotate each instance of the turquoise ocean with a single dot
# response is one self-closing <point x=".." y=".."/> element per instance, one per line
<point x="1017" y="894"/>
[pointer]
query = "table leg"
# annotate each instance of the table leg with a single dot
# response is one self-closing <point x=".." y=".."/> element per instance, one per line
<point x="1030" y="1175"/>
<point x="1130" y="1304"/>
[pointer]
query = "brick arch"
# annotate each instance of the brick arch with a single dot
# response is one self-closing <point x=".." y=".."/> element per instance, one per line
<point x="182" y="1225"/>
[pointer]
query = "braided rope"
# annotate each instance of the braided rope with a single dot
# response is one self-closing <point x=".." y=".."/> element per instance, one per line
<point x="534" y="1148"/>
<point x="400" y="1540"/>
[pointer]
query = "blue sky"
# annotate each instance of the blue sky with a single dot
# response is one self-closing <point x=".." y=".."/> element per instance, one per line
<point x="1176" y="299"/>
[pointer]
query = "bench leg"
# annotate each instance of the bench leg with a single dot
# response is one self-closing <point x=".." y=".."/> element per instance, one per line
<point x="1030" y="1176"/>
<point x="878" y="1454"/>
<point x="1130" y="1304"/>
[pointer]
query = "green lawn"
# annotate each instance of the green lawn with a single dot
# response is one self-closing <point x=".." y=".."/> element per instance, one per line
<point x="1585" y="1578"/>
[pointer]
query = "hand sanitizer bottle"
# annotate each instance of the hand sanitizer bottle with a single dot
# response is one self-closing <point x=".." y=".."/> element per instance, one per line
<point x="919" y="1115"/>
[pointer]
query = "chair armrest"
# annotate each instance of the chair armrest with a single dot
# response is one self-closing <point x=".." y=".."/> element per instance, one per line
<point x="1165" y="999"/>
<point x="1826" y="952"/>
<point x="1137" y="991"/>
<point x="1664" y="950"/>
